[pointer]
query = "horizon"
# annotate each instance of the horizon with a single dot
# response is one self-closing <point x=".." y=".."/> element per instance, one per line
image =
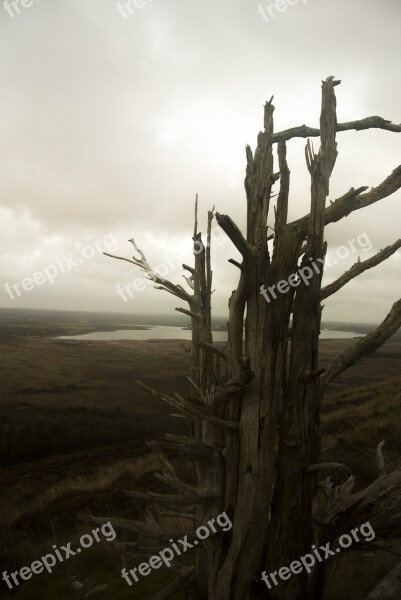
<point x="176" y="316"/>
<point x="129" y="118"/>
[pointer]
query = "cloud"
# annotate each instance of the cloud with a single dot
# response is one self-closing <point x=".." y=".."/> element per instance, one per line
<point x="111" y="125"/>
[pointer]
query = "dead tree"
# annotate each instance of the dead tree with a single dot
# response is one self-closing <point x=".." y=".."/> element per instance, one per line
<point x="254" y="406"/>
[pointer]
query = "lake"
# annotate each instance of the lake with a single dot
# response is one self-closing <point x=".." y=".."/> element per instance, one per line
<point x="167" y="332"/>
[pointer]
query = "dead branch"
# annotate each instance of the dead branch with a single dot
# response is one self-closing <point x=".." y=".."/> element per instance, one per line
<point x="367" y="344"/>
<point x="170" y="512"/>
<point x="189" y="313"/>
<point x="187" y="407"/>
<point x="379" y="503"/>
<point x="282" y="200"/>
<point x="177" y="484"/>
<point x="354" y="199"/>
<point x="172" y="499"/>
<point x="211" y="348"/>
<point x="380" y="458"/>
<point x="235" y="263"/>
<point x="182" y="447"/>
<point x="358" y="268"/>
<point x="303" y="131"/>
<point x="234" y="233"/>
<point x="196" y="217"/>
<point x="184" y="440"/>
<point x="164" y="284"/>
<point x="325" y="467"/>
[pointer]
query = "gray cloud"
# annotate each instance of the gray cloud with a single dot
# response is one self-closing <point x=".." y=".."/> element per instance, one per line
<point x="110" y="125"/>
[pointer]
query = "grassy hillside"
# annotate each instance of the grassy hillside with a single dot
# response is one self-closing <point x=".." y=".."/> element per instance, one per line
<point x="73" y="425"/>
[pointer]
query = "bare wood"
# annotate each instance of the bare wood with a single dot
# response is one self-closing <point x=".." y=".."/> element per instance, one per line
<point x="196" y="217"/>
<point x="367" y="344"/>
<point x="189" y="449"/>
<point x="291" y="527"/>
<point x="303" y="131"/>
<point x="247" y="472"/>
<point x="380" y="458"/>
<point x="175" y="290"/>
<point x="178" y="484"/>
<point x="282" y="200"/>
<point x="189" y="313"/>
<point x="172" y="499"/>
<point x="202" y="445"/>
<point x="354" y="199"/>
<point x="190" y="281"/>
<point x="134" y="262"/>
<point x="325" y="467"/>
<point x="188" y="268"/>
<point x="234" y="233"/>
<point x="358" y="268"/>
<point x="209" y="274"/>
<point x="196" y="387"/>
<point x="169" y="512"/>
<point x="379" y="503"/>
<point x="278" y="396"/>
<point x="164" y="284"/>
<point x="186" y="407"/>
<point x="235" y="263"/>
<point x="212" y="348"/>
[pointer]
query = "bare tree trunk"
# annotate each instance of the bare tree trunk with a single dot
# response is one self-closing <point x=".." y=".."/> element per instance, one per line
<point x="291" y="531"/>
<point x="254" y="414"/>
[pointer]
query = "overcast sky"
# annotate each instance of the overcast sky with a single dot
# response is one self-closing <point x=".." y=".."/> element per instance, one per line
<point x="111" y="122"/>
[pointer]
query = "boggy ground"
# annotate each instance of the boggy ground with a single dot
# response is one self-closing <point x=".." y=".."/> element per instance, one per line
<point x="73" y="425"/>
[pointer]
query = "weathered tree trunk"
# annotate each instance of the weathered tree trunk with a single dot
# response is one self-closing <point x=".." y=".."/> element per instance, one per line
<point x="254" y="414"/>
<point x="291" y="530"/>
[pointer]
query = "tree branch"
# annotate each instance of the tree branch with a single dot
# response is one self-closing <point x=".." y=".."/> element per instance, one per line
<point x="189" y="313"/>
<point x="234" y="233"/>
<point x="235" y="263"/>
<point x="189" y="490"/>
<point x="379" y="503"/>
<point x="303" y="131"/>
<point x="164" y="284"/>
<point x="354" y="199"/>
<point x="282" y="200"/>
<point x="368" y="344"/>
<point x="358" y="268"/>
<point x="177" y="446"/>
<point x="325" y="467"/>
<point x="380" y="458"/>
<point x="172" y="499"/>
<point x="188" y="408"/>
<point x="211" y="348"/>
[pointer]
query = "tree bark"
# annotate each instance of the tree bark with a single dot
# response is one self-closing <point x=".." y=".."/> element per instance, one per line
<point x="254" y="407"/>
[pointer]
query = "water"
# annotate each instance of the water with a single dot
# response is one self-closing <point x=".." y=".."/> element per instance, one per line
<point x="167" y="332"/>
